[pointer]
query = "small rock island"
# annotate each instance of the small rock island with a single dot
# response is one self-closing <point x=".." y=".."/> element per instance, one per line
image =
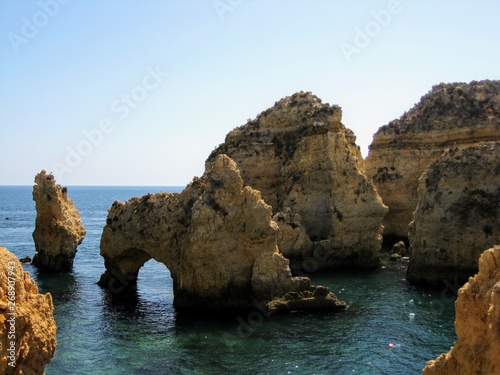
<point x="58" y="226"/>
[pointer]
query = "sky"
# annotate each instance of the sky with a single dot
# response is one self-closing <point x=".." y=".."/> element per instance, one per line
<point x="139" y="92"/>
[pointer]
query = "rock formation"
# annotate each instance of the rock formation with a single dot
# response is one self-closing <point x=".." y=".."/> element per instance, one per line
<point x="477" y="323"/>
<point x="218" y="240"/>
<point x="449" y="115"/>
<point x="27" y="325"/>
<point x="398" y="251"/>
<point x="58" y="227"/>
<point x="307" y="166"/>
<point x="457" y="216"/>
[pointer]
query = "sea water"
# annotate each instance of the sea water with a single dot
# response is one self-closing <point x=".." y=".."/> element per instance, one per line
<point x="389" y="327"/>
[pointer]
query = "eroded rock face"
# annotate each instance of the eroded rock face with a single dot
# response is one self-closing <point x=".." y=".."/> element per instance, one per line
<point x="58" y="227"/>
<point x="477" y="323"/>
<point x="217" y="239"/>
<point x="30" y="334"/>
<point x="457" y="216"/>
<point x="307" y="166"/>
<point x="456" y="114"/>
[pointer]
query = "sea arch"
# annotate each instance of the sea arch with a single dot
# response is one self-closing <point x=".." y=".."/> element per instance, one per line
<point x="217" y="239"/>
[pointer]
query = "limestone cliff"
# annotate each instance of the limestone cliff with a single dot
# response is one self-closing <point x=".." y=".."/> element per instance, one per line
<point x="457" y="215"/>
<point x="477" y="323"/>
<point x="58" y="227"/>
<point x="307" y="166"/>
<point x="27" y="325"/>
<point x="217" y="239"/>
<point x="456" y="114"/>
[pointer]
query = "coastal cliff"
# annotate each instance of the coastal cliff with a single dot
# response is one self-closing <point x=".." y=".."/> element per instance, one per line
<point x="58" y="226"/>
<point x="27" y="325"/>
<point x="457" y="215"/>
<point x="219" y="242"/>
<point x="307" y="166"/>
<point x="477" y="350"/>
<point x="455" y="114"/>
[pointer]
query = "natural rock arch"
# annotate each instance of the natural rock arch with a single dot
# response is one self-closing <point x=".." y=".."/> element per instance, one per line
<point x="218" y="241"/>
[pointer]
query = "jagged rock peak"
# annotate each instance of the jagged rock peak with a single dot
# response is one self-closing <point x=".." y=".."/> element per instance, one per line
<point x="307" y="166"/>
<point x="306" y="106"/>
<point x="451" y="106"/>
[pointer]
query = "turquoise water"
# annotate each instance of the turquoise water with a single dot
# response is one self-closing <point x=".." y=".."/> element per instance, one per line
<point x="99" y="335"/>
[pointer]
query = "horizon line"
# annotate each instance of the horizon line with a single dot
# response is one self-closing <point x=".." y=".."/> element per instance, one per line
<point x="77" y="185"/>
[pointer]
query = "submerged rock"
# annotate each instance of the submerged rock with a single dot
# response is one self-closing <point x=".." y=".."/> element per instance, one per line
<point x="457" y="216"/>
<point x="58" y="227"/>
<point x="27" y="325"/>
<point x="307" y="166"/>
<point x="477" y="323"/>
<point x="26" y="260"/>
<point x="456" y="114"/>
<point x="216" y="237"/>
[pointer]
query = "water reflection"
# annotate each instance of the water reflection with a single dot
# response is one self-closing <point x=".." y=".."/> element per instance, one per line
<point x="64" y="287"/>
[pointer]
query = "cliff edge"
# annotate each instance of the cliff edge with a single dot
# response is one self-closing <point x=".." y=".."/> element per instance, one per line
<point x="477" y="350"/>
<point x="454" y="114"/>
<point x="457" y="215"/>
<point x="27" y="325"/>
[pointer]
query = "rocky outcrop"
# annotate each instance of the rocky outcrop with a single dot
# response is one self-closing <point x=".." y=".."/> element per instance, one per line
<point x="27" y="325"/>
<point x="457" y="216"/>
<point x="58" y="227"/>
<point x="398" y="251"/>
<point x="218" y="240"/>
<point x="307" y="166"/>
<point x="456" y="114"/>
<point x="477" y="323"/>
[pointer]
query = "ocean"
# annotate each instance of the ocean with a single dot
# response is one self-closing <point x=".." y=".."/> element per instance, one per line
<point x="389" y="327"/>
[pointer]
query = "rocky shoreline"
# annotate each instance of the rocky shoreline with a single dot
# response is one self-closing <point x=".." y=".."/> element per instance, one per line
<point x="27" y="324"/>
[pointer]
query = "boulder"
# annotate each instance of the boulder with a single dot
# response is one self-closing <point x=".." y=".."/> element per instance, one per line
<point x="455" y="114"/>
<point x="399" y="248"/>
<point x="477" y="323"/>
<point x="27" y="325"/>
<point x="58" y="226"/>
<point x="307" y="166"/>
<point x="216" y="237"/>
<point x="457" y="215"/>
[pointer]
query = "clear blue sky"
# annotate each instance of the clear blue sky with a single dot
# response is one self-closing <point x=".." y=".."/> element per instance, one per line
<point x="156" y="85"/>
